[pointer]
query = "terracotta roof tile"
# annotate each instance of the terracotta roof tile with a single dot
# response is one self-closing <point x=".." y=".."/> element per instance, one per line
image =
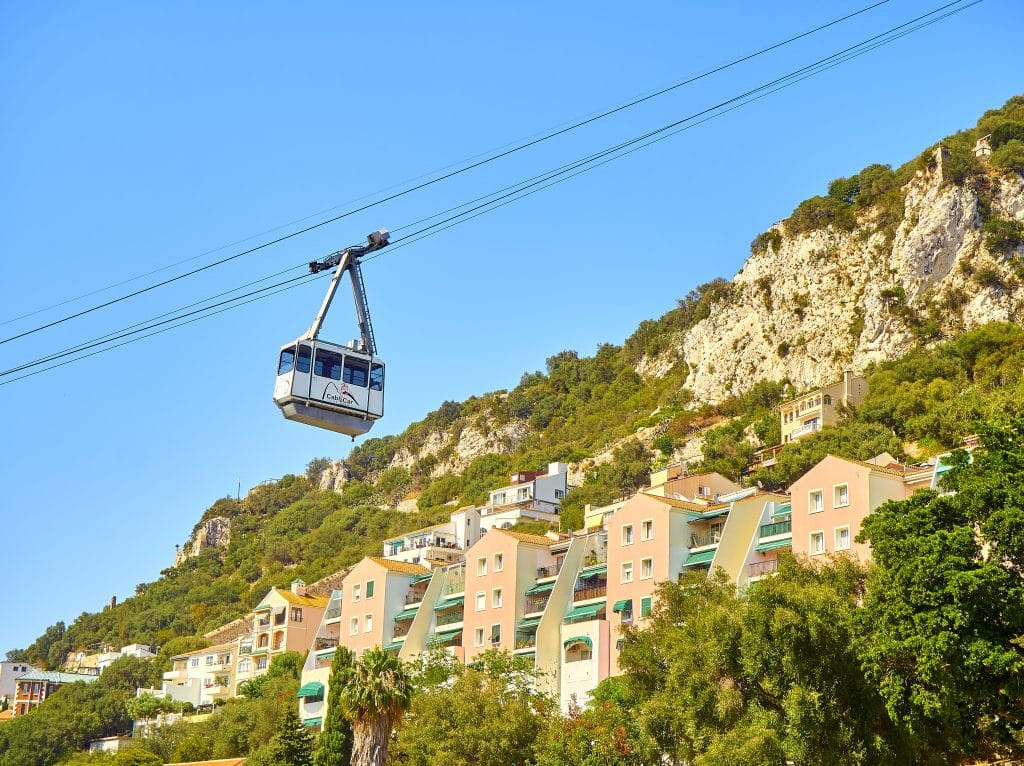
<point x="523" y="537"/>
<point x="318" y="602"/>
<point x="686" y="505"/>
<point x="399" y="566"/>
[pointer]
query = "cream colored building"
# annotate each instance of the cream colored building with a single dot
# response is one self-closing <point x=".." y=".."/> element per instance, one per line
<point x="809" y="413"/>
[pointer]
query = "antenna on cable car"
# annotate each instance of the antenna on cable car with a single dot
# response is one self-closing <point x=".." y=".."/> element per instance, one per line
<point x="340" y="388"/>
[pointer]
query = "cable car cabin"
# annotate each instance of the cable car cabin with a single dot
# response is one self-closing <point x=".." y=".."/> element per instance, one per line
<point x="329" y="386"/>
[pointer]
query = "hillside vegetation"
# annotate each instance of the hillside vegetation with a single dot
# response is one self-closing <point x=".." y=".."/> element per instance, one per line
<point x="611" y="402"/>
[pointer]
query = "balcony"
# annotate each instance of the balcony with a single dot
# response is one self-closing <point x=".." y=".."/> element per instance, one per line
<point x="402" y="629"/>
<point x="551" y="571"/>
<point x="447" y="619"/>
<point x="263" y="623"/>
<point x="333" y="612"/>
<point x="175" y="675"/>
<point x="700" y="539"/>
<point x="762" y="568"/>
<point x="598" y="590"/>
<point x="535" y="605"/>
<point x="805" y="429"/>
<point x="455" y="584"/>
<point x="414" y="597"/>
<point x="324" y="643"/>
<point x="778" y="528"/>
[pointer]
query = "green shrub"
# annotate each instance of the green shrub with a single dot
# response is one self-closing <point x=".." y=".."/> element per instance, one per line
<point x="1010" y="156"/>
<point x="989" y="277"/>
<point x="1003" y="235"/>
<point x="771" y="238"/>
<point x="783" y="350"/>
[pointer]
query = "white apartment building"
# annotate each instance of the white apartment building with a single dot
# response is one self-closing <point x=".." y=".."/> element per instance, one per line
<point x="529" y="496"/>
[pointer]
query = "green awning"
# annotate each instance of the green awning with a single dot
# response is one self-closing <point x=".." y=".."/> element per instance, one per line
<point x="786" y="509"/>
<point x="699" y="559"/>
<point x="588" y="612"/>
<point x="313" y="721"/>
<point x="394" y="645"/>
<point x="421" y="577"/>
<point x="449" y="603"/>
<point x="623" y="605"/>
<point x="775" y="544"/>
<point x="407" y="614"/>
<point x="587" y="572"/>
<point x="312" y="689"/>
<point x="444" y="638"/>
<point x="529" y="622"/>
<point x="579" y="640"/>
<point x="454" y="627"/>
<point x="543" y="587"/>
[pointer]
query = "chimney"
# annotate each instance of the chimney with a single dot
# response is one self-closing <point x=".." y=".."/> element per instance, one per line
<point x="298" y="587"/>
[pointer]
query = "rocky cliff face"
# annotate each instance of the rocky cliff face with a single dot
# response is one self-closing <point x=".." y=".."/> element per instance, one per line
<point x="813" y="304"/>
<point x="214" y="532"/>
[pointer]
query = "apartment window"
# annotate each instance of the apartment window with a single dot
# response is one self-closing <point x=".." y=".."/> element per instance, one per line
<point x="817" y="543"/>
<point x="627" y="534"/>
<point x="368" y="624"/>
<point x="645" y="607"/>
<point x="369" y="588"/>
<point x="481" y="566"/>
<point x="245" y="666"/>
<point x="481" y="601"/>
<point x="353" y="626"/>
<point x="559" y="494"/>
<point x="626" y="573"/>
<point x="647" y="529"/>
<point x="842" y="538"/>
<point x="478" y="637"/>
<point x="840" y="495"/>
<point x="496" y="634"/>
<point x="523" y="494"/>
<point x="296" y="614"/>
<point x="646" y="569"/>
<point x="496" y="598"/>
<point x="815" y="501"/>
<point x="261" y="663"/>
<point x="356" y="591"/>
<point x="499" y="562"/>
<point x="195" y="660"/>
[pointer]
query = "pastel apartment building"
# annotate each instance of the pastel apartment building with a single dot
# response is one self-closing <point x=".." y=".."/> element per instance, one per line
<point x="200" y="677"/>
<point x="285" y="620"/>
<point x="675" y="481"/>
<point x="439" y="544"/>
<point x="529" y="495"/>
<point x="96" y="662"/>
<point x="831" y="500"/>
<point x="32" y="688"/>
<point x="809" y="413"/>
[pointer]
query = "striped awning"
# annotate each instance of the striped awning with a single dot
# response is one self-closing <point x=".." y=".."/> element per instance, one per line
<point x="543" y="587"/>
<point x="443" y="638"/>
<point x="312" y="689"/>
<point x="394" y="646"/>
<point x="699" y="559"/>
<point x="775" y="545"/>
<point x="623" y="605"/>
<point x="449" y="603"/>
<point x="529" y="622"/>
<point x="579" y="640"/>
<point x="313" y="721"/>
<point x="588" y="612"/>
<point x="421" y="577"/>
<point x="407" y="614"/>
<point x="595" y="571"/>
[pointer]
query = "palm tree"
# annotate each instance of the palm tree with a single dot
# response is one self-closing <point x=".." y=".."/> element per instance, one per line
<point x="376" y="692"/>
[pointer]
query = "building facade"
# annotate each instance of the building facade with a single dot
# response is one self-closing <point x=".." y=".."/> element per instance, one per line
<point x="32" y="688"/>
<point x="809" y="413"/>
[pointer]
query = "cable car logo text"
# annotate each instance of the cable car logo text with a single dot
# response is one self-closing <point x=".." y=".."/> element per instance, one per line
<point x="338" y="394"/>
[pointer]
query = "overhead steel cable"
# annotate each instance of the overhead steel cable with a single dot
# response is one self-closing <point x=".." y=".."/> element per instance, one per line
<point x="306" y="277"/>
<point x="488" y="159"/>
<point x="543" y="181"/>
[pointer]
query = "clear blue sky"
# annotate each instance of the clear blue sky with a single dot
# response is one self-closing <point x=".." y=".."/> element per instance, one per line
<point x="133" y="135"/>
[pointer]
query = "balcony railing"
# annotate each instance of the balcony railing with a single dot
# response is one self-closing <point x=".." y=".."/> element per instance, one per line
<point x="334" y="611"/>
<point x="778" y="528"/>
<point x="449" y="619"/>
<point x="762" y="568"/>
<point x="550" y="571"/>
<point x="325" y="643"/>
<point x="415" y="596"/>
<point x="526" y="641"/>
<point x="594" y="591"/>
<point x="421" y="544"/>
<point x="700" y="539"/>
<point x="402" y="629"/>
<point x="807" y="428"/>
<point x="455" y="584"/>
<point x="535" y="604"/>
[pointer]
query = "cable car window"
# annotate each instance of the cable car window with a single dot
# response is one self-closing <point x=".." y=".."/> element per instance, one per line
<point x="356" y="371"/>
<point x="287" y="361"/>
<point x="377" y="377"/>
<point x="328" y="364"/>
<point x="302" y="363"/>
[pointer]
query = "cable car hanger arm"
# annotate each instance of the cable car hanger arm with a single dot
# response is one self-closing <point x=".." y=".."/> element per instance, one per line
<point x="348" y="260"/>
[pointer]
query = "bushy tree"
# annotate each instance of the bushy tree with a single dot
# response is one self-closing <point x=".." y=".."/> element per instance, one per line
<point x="944" y="610"/>
<point x="334" y="745"/>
